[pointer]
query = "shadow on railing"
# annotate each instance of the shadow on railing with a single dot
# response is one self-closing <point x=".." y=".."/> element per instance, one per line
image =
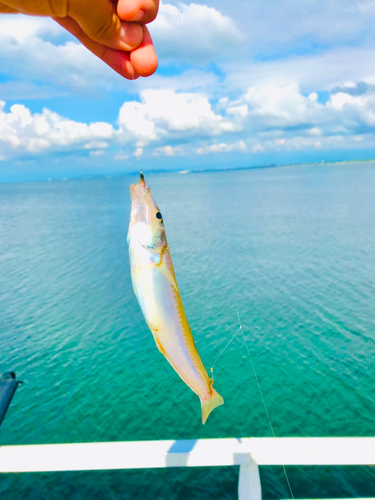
<point x="178" y="454"/>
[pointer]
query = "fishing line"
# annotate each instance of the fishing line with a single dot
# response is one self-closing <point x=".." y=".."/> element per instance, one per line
<point x="240" y="329"/>
<point x="136" y="117"/>
<point x="222" y="352"/>
<point x="262" y="397"/>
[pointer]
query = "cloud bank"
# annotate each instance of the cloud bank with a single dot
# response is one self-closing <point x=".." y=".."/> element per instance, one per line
<point x="170" y="123"/>
<point x="235" y="80"/>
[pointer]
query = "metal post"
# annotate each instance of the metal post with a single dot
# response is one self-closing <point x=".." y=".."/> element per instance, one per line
<point x="249" y="481"/>
<point x="8" y="386"/>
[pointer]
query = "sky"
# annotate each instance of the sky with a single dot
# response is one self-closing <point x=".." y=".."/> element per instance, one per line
<point x="239" y="84"/>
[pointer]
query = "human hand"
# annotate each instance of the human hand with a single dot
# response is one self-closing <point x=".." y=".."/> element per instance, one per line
<point x="113" y="31"/>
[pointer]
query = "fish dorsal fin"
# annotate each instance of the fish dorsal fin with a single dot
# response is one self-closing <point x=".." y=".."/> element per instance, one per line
<point x="164" y="269"/>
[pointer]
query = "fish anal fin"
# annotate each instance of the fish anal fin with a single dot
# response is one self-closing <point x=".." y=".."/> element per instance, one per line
<point x="166" y="271"/>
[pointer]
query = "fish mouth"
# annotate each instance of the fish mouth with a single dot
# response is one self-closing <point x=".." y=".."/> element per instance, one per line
<point x="143" y="203"/>
<point x="140" y="192"/>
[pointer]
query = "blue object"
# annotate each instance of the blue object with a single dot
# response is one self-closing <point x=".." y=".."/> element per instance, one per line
<point x="8" y="386"/>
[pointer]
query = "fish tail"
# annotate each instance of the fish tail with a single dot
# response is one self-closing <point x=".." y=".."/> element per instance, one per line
<point x="210" y="404"/>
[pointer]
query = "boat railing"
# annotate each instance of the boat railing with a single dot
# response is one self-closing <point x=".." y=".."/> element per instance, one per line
<point x="247" y="453"/>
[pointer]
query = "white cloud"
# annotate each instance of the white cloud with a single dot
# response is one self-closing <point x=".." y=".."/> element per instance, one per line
<point x="315" y="131"/>
<point x="286" y="43"/>
<point x="38" y="49"/>
<point x="28" y="53"/>
<point x="21" y="28"/>
<point x="164" y="113"/>
<point x="274" y="76"/>
<point x="358" y="138"/>
<point x="276" y="28"/>
<point x="316" y="72"/>
<point x="223" y="148"/>
<point x="269" y="118"/>
<point x="99" y="152"/>
<point x="168" y="151"/>
<point x="281" y="118"/>
<point x="299" y="143"/>
<point x="22" y="132"/>
<point x="257" y="148"/>
<point x="280" y="142"/>
<point x="241" y="110"/>
<point x="120" y="156"/>
<point x="205" y="34"/>
<point x="354" y="110"/>
<point x="192" y="80"/>
<point x="282" y="106"/>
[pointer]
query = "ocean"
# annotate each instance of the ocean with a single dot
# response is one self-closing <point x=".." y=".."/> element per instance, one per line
<point x="291" y="250"/>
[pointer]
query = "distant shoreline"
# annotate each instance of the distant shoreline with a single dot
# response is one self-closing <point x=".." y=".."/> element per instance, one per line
<point x="188" y="172"/>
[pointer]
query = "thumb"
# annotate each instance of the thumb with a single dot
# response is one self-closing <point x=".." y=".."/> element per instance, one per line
<point x="99" y="20"/>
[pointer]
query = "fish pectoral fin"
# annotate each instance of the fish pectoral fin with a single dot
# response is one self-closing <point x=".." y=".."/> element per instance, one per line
<point x="164" y="269"/>
<point x="159" y="345"/>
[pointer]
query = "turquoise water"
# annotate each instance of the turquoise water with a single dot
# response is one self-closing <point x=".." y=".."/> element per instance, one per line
<point x="292" y="249"/>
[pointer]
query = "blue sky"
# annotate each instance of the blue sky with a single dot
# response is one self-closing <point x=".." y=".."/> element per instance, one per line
<point x="243" y="83"/>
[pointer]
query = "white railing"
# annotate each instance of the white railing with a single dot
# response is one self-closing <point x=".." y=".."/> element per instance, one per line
<point x="248" y="453"/>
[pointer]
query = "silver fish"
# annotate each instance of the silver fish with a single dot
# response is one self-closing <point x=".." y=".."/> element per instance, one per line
<point x="155" y="286"/>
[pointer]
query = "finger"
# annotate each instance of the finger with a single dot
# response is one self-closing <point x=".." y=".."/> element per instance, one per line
<point x="144" y="59"/>
<point x="142" y="11"/>
<point x="116" y="59"/>
<point x="4" y="9"/>
<point x="38" y="7"/>
<point x="100" y="22"/>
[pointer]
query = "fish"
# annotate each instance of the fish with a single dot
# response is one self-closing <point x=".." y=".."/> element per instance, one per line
<point x="155" y="286"/>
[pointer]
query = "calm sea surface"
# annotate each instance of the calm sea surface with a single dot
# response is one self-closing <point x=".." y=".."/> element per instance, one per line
<point x="291" y="249"/>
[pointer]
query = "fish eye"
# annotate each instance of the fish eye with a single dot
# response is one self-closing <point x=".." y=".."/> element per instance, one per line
<point x="159" y="216"/>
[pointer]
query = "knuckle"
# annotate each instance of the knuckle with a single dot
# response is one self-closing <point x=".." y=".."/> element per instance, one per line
<point x="108" y="28"/>
<point x="58" y="8"/>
